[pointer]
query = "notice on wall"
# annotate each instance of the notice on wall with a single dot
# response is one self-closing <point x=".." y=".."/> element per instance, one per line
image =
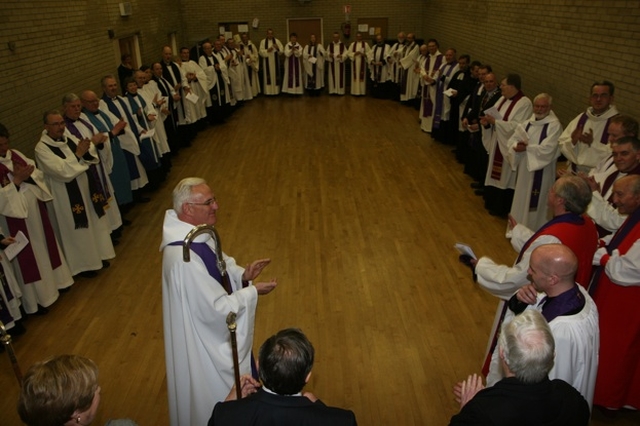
<point x="363" y="28"/>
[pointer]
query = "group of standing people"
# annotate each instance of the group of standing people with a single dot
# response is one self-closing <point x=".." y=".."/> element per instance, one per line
<point x="511" y="145"/>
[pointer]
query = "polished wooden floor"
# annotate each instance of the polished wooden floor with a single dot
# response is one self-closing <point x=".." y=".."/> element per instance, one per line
<point x="359" y="212"/>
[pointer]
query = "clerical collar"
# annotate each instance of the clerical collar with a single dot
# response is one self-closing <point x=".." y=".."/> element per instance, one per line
<point x="266" y="389"/>
<point x="568" y="303"/>
<point x="602" y="113"/>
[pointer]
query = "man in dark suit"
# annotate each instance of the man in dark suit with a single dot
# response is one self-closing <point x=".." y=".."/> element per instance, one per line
<point x="525" y="396"/>
<point x="286" y="360"/>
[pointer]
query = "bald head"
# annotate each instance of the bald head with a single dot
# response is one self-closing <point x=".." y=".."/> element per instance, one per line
<point x="552" y="269"/>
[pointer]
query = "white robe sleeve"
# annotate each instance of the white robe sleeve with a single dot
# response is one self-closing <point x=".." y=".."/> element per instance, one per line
<point x="624" y="269"/>
<point x="604" y="214"/>
<point x="541" y="155"/>
<point x="502" y="280"/>
<point x="57" y="168"/>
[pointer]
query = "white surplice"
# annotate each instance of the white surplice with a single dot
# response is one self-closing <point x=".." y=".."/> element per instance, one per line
<point x="84" y="248"/>
<point x="358" y="53"/>
<point x="577" y="339"/>
<point x="270" y="71"/>
<point x="499" y="134"/>
<point x="197" y="344"/>
<point x="43" y="292"/>
<point x="539" y="155"/>
<point x="584" y="156"/>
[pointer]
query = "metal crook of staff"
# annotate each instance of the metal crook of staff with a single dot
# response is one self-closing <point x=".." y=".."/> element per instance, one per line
<point x="5" y="339"/>
<point x="222" y="268"/>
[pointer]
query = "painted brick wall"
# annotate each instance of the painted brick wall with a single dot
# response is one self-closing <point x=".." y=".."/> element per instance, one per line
<point x="557" y="46"/>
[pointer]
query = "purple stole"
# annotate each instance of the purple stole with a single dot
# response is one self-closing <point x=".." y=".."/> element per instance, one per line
<point x="95" y="175"/>
<point x="266" y="63"/>
<point x="293" y="63"/>
<point x="427" y="103"/>
<point x="311" y="80"/>
<point x="333" y="70"/>
<point x="440" y="95"/>
<point x="604" y="139"/>
<point x="377" y="69"/>
<point x="27" y="258"/>
<point x="496" y="169"/>
<point x="361" y="60"/>
<point x="537" y="175"/>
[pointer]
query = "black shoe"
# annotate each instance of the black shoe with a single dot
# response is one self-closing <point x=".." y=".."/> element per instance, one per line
<point x="41" y="311"/>
<point x="86" y="274"/>
<point x="126" y="222"/>
<point x="105" y="264"/>
<point x="476" y="185"/>
<point x="479" y="192"/>
<point x="497" y="214"/>
<point x="18" y="329"/>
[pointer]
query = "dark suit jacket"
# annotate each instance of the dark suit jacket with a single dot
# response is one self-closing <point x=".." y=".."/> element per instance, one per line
<point x="265" y="409"/>
<point x="511" y="402"/>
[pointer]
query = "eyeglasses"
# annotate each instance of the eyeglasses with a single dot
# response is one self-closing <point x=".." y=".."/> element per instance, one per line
<point x="209" y="202"/>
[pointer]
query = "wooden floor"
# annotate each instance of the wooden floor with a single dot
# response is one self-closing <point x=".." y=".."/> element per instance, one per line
<point x="358" y="211"/>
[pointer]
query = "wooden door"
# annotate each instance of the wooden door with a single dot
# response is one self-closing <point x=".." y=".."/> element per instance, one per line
<point x="304" y="27"/>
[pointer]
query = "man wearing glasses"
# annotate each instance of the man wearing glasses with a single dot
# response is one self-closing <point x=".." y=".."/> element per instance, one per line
<point x="196" y="300"/>
<point x="584" y="141"/>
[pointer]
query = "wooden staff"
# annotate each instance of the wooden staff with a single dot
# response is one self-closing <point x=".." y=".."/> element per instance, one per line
<point x="5" y="339"/>
<point x="231" y="325"/>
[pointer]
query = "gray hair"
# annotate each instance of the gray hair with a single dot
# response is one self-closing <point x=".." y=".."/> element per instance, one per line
<point x="544" y="96"/>
<point x="182" y="191"/>
<point x="575" y="192"/>
<point x="528" y="346"/>
<point x="69" y="97"/>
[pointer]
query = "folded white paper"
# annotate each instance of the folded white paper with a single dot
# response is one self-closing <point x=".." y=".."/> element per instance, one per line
<point x="465" y="249"/>
<point x="493" y="111"/>
<point x="192" y="97"/>
<point x="13" y="249"/>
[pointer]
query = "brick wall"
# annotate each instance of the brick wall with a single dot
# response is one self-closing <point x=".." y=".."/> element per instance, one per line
<point x="557" y="46"/>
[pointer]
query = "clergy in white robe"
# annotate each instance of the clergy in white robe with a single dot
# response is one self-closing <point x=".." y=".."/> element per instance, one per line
<point x="270" y="50"/>
<point x="378" y="61"/>
<point x="533" y="151"/>
<point x="195" y="307"/>
<point x="235" y="70"/>
<point x="584" y="140"/>
<point x="9" y="290"/>
<point x="336" y="57"/>
<point x="75" y="209"/>
<point x="568" y="199"/>
<point x="313" y="56"/>
<point x="81" y="128"/>
<point x="358" y="53"/>
<point x="410" y="82"/>
<point x="249" y="53"/>
<point x="293" y="82"/>
<point x="114" y="104"/>
<point x="195" y="109"/>
<point x="624" y="161"/>
<point x="40" y="268"/>
<point x="430" y="63"/>
<point x="156" y="105"/>
<point x="513" y="108"/>
<point x="396" y="53"/>
<point x="572" y="317"/>
<point x="178" y="80"/>
<point x="442" y="109"/>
